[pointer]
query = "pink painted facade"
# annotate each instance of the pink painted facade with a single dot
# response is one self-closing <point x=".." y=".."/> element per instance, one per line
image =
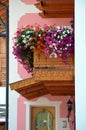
<point x="21" y="118"/>
<point x="31" y="19"/>
<point x="29" y="1"/>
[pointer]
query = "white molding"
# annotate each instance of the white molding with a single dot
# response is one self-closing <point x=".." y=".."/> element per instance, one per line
<point x="80" y="64"/>
<point x="13" y="98"/>
<point x="42" y="102"/>
<point x="27" y="115"/>
<point x="17" y="9"/>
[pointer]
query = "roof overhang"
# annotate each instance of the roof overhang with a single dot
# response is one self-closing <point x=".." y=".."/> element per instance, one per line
<point x="56" y="8"/>
<point x="30" y="88"/>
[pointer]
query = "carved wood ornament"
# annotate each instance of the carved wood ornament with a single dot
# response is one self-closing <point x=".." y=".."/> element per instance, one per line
<point x="51" y="75"/>
<point x="53" y="78"/>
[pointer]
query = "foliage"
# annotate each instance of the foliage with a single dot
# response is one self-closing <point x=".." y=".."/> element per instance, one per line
<point x="53" y="41"/>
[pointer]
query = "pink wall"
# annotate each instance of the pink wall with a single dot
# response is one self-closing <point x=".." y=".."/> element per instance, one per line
<point x="63" y="110"/>
<point x="29" y="1"/>
<point x="21" y="112"/>
<point x="32" y="19"/>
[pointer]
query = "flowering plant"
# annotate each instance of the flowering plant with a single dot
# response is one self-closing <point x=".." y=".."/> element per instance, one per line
<point x="53" y="41"/>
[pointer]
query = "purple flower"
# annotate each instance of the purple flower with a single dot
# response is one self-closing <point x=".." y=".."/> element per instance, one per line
<point x="53" y="41"/>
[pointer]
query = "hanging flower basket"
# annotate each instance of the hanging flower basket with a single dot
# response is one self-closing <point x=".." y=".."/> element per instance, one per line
<point x="53" y="41"/>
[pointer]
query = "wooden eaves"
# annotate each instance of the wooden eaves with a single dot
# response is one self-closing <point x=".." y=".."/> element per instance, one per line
<point x="55" y="8"/>
<point x="29" y="88"/>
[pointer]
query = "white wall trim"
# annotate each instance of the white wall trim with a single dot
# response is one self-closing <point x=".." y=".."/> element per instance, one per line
<point x="13" y="97"/>
<point x="17" y="9"/>
<point x="80" y="64"/>
<point x="42" y="102"/>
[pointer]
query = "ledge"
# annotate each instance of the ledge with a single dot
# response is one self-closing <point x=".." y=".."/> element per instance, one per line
<point x="30" y="88"/>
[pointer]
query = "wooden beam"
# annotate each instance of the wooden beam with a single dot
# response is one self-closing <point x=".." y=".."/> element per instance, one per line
<point x="57" y="14"/>
<point x="54" y="6"/>
<point x="24" y="83"/>
<point x="54" y="88"/>
<point x="60" y="87"/>
<point x="28" y="89"/>
<point x="61" y="83"/>
<point x="58" y="1"/>
<point x="35" y="94"/>
<point x="62" y="90"/>
<point x="53" y="93"/>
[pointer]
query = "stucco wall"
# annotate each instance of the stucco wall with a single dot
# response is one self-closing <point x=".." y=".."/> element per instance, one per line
<point x="80" y="63"/>
<point x="22" y="115"/>
<point x="21" y="14"/>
